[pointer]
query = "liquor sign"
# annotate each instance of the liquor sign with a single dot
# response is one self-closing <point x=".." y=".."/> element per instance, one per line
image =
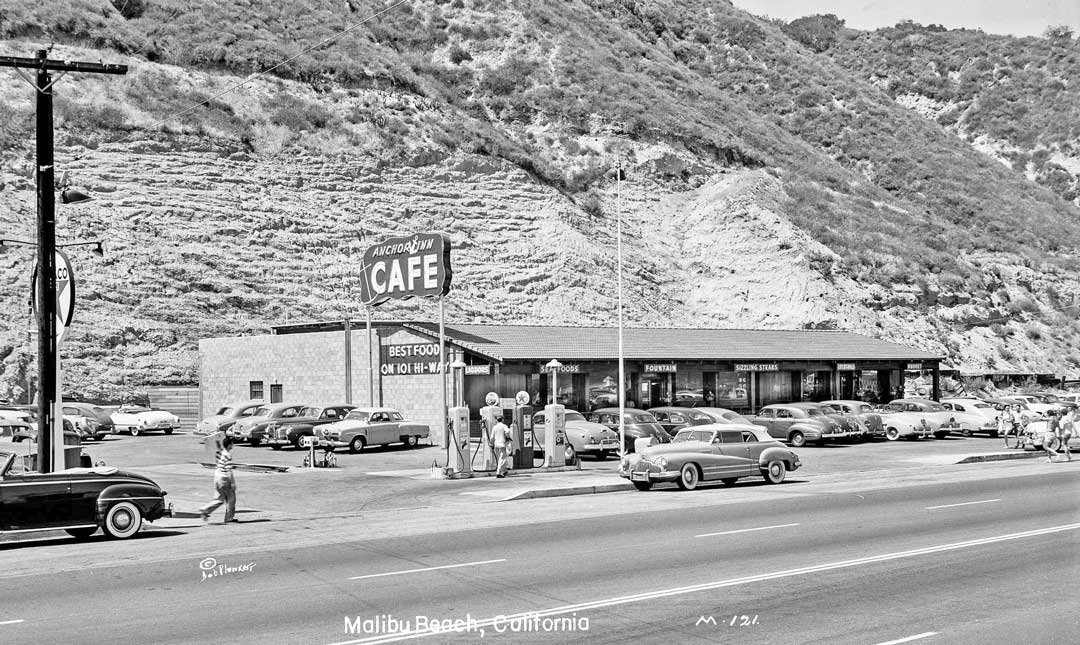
<point x="757" y="367"/>
<point x="471" y="370"/>
<point x="406" y="267"/>
<point x="663" y="367"/>
<point x="845" y="367"/>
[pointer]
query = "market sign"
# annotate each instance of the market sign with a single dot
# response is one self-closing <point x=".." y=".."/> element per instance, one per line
<point x="406" y="267"/>
<point x="663" y="367"/>
<point x="757" y="367"/>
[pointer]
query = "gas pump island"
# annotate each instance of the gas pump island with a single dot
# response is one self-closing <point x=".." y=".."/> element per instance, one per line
<point x="517" y="414"/>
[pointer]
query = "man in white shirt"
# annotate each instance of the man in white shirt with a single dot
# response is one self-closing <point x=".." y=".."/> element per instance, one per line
<point x="502" y="444"/>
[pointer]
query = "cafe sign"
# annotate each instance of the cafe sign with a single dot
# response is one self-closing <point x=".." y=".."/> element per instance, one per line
<point x="406" y="267"/>
<point x="757" y="367"/>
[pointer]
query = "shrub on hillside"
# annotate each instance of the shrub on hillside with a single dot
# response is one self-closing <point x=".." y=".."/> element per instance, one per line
<point x="295" y="113"/>
<point x="818" y="32"/>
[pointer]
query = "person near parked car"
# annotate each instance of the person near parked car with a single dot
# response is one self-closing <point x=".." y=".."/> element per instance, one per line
<point x="1052" y="436"/>
<point x="224" y="484"/>
<point x="502" y="444"/>
<point x="1068" y="428"/>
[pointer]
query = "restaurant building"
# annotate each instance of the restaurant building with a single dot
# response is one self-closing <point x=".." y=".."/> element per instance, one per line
<point x="739" y="369"/>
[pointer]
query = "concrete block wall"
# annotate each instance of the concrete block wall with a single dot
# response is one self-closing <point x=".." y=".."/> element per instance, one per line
<point x="419" y="396"/>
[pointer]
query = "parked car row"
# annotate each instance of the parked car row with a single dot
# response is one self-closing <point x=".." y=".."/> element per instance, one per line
<point x="91" y="422"/>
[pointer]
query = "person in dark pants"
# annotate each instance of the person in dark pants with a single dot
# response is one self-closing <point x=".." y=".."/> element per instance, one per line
<point x="224" y="484"/>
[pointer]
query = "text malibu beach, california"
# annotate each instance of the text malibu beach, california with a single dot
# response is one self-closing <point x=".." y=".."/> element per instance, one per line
<point x="387" y="624"/>
<point x="406" y="267"/>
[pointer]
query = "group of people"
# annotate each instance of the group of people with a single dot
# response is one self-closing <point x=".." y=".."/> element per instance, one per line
<point x="1060" y="426"/>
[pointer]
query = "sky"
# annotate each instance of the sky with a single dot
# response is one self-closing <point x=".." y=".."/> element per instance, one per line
<point x="1015" y="17"/>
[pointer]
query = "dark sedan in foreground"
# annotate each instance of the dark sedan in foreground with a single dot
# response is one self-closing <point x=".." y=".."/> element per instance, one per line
<point x="722" y="452"/>
<point x="76" y="500"/>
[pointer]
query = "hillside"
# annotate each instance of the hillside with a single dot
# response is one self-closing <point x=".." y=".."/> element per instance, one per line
<point x="767" y="184"/>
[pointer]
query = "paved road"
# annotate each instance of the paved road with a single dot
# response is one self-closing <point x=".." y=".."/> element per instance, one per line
<point x="983" y="554"/>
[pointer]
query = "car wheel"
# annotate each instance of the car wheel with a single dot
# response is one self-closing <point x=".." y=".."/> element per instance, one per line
<point x="296" y="442"/>
<point x="168" y="430"/>
<point x="82" y="533"/>
<point x="729" y="481"/>
<point x="775" y="471"/>
<point x="940" y="435"/>
<point x="122" y="520"/>
<point x="964" y="432"/>
<point x="643" y="485"/>
<point x="688" y="477"/>
<point x="569" y="454"/>
<point x="357" y="444"/>
<point x="892" y="434"/>
<point x="797" y="439"/>
<point x="410" y="441"/>
<point x="133" y="431"/>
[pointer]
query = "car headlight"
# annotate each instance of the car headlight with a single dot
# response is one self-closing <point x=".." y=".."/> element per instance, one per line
<point x="662" y="463"/>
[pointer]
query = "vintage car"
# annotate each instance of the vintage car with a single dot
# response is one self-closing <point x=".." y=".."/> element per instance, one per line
<point x="1007" y="403"/>
<point x="719" y="451"/>
<point x="852" y="429"/>
<point x="1035" y="403"/>
<point x="226" y="416"/>
<point x="724" y="415"/>
<point x="136" y="419"/>
<point x="674" y="418"/>
<point x="637" y="424"/>
<point x="584" y="436"/>
<point x="797" y="424"/>
<point x="364" y="427"/>
<point x="904" y="425"/>
<point x="76" y="500"/>
<point x="978" y="412"/>
<point x="290" y="432"/>
<point x="252" y="428"/>
<point x="100" y="415"/>
<point x="863" y="414"/>
<point x="1031" y="437"/>
<point x="87" y="427"/>
<point x="29" y="432"/>
<point x="941" y="420"/>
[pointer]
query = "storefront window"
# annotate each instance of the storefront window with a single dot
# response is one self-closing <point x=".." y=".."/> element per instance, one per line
<point x="689" y="389"/>
<point x="816" y="386"/>
<point x="600" y="390"/>
<point x="729" y="390"/>
<point x="775" y="387"/>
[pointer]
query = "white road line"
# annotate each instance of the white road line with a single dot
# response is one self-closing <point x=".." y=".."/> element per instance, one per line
<point x="11" y="622"/>
<point x="984" y="501"/>
<point x="504" y="620"/>
<point x="446" y="566"/>
<point x="909" y="638"/>
<point x="760" y="528"/>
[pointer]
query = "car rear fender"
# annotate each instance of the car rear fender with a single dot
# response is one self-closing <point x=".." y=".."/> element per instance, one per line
<point x="809" y="430"/>
<point x="149" y="498"/>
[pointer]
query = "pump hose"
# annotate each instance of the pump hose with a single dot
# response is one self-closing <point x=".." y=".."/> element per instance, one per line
<point x="479" y="447"/>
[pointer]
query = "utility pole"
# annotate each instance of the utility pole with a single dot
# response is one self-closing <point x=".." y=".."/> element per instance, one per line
<point x="50" y="421"/>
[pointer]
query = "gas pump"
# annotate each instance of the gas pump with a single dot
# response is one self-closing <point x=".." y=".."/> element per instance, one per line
<point x="554" y="435"/>
<point x="489" y="415"/>
<point x="459" y="459"/>
<point x="522" y="430"/>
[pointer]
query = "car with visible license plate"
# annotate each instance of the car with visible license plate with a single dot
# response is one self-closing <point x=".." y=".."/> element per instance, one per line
<point x="798" y="424"/>
<point x="365" y="427"/>
<point x="941" y="420"/>
<point x="863" y="415"/>
<point x="714" y="452"/>
<point x="76" y="500"/>
<point x="291" y="432"/>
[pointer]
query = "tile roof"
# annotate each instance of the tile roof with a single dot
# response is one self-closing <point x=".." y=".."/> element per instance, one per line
<point x="537" y="342"/>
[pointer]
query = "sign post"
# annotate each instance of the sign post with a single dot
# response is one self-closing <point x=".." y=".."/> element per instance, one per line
<point x="64" y="287"/>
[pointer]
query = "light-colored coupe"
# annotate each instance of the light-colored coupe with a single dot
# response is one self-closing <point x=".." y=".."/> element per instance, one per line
<point x="364" y="427"/>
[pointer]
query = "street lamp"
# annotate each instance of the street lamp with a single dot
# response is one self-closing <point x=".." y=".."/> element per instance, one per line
<point x="553" y="366"/>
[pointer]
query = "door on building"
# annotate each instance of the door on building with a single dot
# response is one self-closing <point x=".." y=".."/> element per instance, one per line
<point x="657" y="390"/>
<point x="848" y="386"/>
<point x="276" y="393"/>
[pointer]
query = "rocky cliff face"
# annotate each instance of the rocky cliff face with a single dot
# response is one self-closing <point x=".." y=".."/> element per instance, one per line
<point x="254" y="211"/>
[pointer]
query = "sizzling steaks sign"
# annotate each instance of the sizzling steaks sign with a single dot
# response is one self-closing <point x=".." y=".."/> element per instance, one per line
<point x="406" y="267"/>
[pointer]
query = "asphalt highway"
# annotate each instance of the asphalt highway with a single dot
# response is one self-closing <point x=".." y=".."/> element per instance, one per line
<point x="988" y="557"/>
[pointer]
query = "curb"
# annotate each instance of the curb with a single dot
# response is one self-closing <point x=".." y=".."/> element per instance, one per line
<point x="1002" y="456"/>
<point x="563" y="492"/>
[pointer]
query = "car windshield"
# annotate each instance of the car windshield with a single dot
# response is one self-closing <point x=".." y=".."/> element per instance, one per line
<point x="683" y="435"/>
<point x="828" y="409"/>
<point x="814" y="412"/>
<point x="310" y="412"/>
<point x="697" y="416"/>
<point x="574" y="416"/>
<point x="935" y="407"/>
<point x="357" y="415"/>
<point x="639" y="417"/>
<point x="261" y="412"/>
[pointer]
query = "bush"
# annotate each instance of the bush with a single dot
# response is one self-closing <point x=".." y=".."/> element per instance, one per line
<point x="296" y="114"/>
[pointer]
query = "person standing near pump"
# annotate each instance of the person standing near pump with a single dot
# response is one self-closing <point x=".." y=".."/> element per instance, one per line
<point x="224" y="484"/>
<point x="502" y="444"/>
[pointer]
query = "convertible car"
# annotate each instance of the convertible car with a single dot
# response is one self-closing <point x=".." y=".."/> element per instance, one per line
<point x="364" y="427"/>
<point x="722" y="452"/>
<point x="76" y="500"/>
<point x="133" y="420"/>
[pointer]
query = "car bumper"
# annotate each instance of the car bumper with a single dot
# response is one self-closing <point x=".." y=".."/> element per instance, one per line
<point x="609" y="446"/>
<point x="652" y="476"/>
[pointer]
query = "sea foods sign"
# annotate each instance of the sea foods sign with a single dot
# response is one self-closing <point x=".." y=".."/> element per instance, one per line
<point x="406" y="267"/>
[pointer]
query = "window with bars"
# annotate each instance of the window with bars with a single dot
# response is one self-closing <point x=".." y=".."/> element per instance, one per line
<point x="255" y="389"/>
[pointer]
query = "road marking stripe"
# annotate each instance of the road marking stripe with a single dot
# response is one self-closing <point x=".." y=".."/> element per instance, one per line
<point x="909" y="638"/>
<point x="760" y="528"/>
<point x="710" y="586"/>
<point x="11" y="622"/>
<point x="446" y="566"/>
<point x="985" y="501"/>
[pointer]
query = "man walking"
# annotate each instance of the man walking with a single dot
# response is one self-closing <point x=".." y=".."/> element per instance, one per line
<point x="224" y="484"/>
